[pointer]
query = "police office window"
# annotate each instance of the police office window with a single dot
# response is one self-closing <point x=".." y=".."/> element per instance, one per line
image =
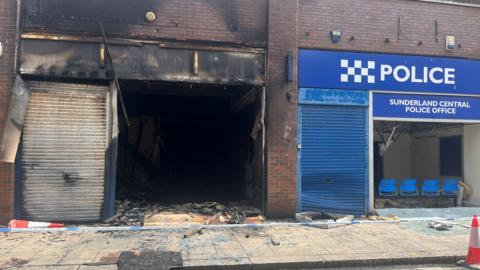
<point x="451" y="156"/>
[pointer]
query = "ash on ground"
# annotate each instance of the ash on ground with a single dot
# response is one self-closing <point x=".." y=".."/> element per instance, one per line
<point x="133" y="213"/>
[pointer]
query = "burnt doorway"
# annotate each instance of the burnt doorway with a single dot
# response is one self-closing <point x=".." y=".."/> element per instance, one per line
<point x="191" y="143"/>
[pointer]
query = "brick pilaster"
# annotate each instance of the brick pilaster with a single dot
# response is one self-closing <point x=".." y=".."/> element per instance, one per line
<point x="281" y="121"/>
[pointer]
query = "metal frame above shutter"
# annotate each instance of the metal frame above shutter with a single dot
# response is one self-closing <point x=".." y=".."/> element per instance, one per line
<point x="333" y="154"/>
<point x="63" y="152"/>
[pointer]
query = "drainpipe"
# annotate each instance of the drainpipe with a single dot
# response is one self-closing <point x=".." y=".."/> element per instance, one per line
<point x="17" y="36"/>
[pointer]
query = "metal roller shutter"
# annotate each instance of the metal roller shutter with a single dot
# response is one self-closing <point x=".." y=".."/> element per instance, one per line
<point x="63" y="152"/>
<point x="333" y="159"/>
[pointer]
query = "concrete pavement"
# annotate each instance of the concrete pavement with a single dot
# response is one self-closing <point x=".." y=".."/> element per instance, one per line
<point x="276" y="247"/>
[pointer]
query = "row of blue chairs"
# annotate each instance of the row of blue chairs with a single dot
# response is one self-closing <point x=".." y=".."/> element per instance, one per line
<point x="408" y="187"/>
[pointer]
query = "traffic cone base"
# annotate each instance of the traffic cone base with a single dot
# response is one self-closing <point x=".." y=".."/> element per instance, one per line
<point x="473" y="256"/>
<point x="470" y="266"/>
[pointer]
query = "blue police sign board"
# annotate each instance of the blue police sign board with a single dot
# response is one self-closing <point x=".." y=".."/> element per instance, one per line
<point x="425" y="106"/>
<point x="369" y="71"/>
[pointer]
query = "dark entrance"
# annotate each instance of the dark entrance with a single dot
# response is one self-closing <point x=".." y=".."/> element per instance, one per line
<point x="190" y="143"/>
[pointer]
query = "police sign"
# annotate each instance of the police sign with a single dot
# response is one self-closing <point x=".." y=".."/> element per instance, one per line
<point x="425" y="106"/>
<point x="368" y="71"/>
<point x="400" y="73"/>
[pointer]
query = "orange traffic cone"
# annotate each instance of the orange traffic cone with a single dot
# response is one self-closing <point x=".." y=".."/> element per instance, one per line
<point x="23" y="224"/>
<point x="473" y="257"/>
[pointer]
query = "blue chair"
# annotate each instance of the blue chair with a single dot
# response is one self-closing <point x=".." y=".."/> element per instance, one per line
<point x="450" y="187"/>
<point x="430" y="187"/>
<point x="388" y="187"/>
<point x="408" y="187"/>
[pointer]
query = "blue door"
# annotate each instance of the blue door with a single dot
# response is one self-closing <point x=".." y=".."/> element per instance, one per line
<point x="333" y="153"/>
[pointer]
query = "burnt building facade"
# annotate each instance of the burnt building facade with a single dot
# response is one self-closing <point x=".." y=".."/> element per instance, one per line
<point x="191" y="99"/>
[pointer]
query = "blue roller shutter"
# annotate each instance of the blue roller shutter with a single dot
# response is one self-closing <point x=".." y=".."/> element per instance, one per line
<point x="334" y="153"/>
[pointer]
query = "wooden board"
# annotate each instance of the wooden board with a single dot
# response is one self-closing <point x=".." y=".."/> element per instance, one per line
<point x="173" y="218"/>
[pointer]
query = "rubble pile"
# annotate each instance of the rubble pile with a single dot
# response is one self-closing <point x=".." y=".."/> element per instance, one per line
<point x="134" y="213"/>
<point x="128" y="213"/>
<point x="414" y="203"/>
<point x="233" y="213"/>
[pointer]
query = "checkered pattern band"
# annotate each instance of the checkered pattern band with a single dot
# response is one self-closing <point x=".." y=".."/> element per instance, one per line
<point x="357" y="72"/>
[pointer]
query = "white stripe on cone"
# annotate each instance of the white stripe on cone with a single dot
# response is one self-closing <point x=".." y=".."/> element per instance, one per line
<point x="475" y="237"/>
<point x="34" y="224"/>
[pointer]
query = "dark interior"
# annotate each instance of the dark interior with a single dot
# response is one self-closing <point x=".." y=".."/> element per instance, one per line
<point x="186" y="143"/>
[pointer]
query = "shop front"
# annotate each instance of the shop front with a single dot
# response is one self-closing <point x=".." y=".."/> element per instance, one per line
<point x="367" y="119"/>
<point x="84" y="141"/>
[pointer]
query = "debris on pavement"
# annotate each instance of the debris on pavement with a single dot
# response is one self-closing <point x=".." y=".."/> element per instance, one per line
<point x="328" y="220"/>
<point x="451" y="223"/>
<point x="208" y="222"/>
<point x="274" y="242"/>
<point x="341" y="222"/>
<point x="310" y="216"/>
<point x="140" y="213"/>
<point x="99" y="250"/>
<point x="439" y="226"/>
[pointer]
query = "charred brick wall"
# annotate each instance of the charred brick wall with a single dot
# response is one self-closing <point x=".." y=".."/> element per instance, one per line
<point x="400" y="26"/>
<point x="234" y="21"/>
<point x="8" y="15"/>
<point x="281" y="121"/>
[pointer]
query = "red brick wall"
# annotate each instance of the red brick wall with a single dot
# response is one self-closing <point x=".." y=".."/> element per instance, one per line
<point x="281" y="122"/>
<point x="7" y="37"/>
<point x="6" y="191"/>
<point x="235" y="21"/>
<point x="370" y="22"/>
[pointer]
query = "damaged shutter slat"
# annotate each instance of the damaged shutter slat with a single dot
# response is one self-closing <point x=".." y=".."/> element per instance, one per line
<point x="63" y="152"/>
